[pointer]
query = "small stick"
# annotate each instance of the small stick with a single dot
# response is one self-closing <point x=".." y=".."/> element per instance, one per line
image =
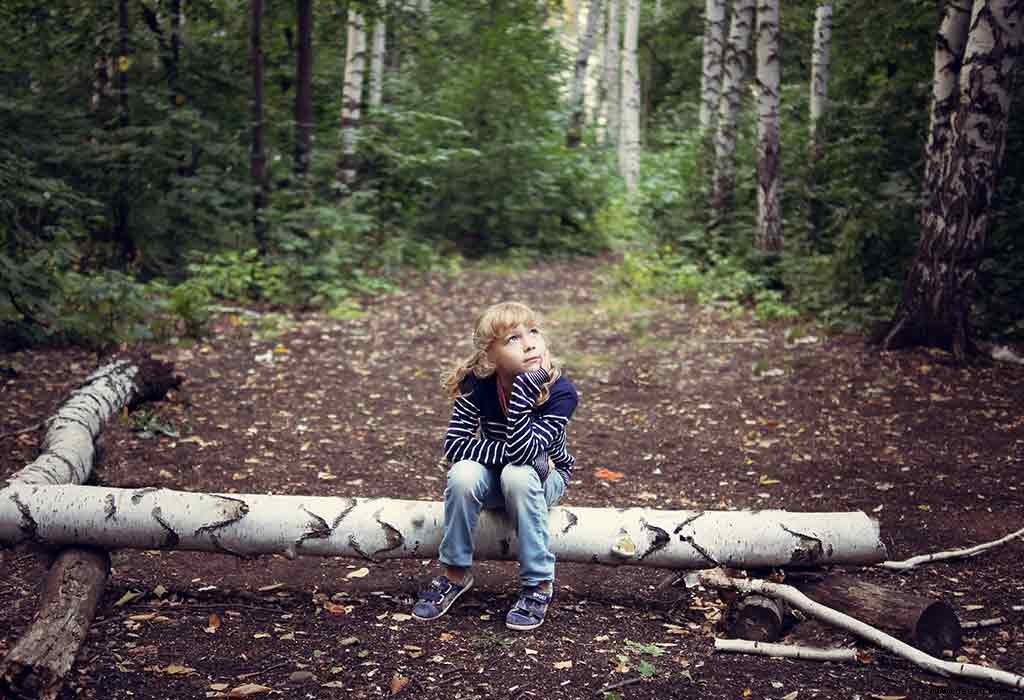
<point x="715" y="578"/>
<point x="914" y="562"/>
<point x="620" y="684"/>
<point x="786" y="651"/>
<point x="990" y="622"/>
<point x="243" y="676"/>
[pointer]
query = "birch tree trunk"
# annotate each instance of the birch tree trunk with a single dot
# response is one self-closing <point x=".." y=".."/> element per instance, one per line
<point x="936" y="302"/>
<point x="382" y="528"/>
<point x="734" y="75"/>
<point x="352" y="97"/>
<point x="821" y="71"/>
<point x="711" y="73"/>
<point x="612" y="81"/>
<point x="377" y="58"/>
<point x="258" y="157"/>
<point x="304" y="89"/>
<point x="949" y="55"/>
<point x="629" y="138"/>
<point x="38" y="663"/>
<point x="769" y="218"/>
<point x="577" y="94"/>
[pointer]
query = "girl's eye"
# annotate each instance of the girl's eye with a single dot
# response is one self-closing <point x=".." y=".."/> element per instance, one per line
<point x="534" y="331"/>
<point x="512" y="339"/>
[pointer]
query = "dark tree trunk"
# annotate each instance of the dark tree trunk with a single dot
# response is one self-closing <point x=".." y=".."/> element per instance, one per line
<point x="935" y="308"/>
<point x="258" y="161"/>
<point x="174" y="67"/>
<point x="121" y="233"/>
<point x="304" y="89"/>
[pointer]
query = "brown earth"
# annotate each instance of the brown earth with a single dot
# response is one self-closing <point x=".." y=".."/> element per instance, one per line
<point x="696" y="407"/>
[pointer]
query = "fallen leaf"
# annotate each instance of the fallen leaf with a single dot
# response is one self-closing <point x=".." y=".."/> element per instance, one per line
<point x="349" y="641"/>
<point x="333" y="684"/>
<point x="398" y="683"/>
<point x="142" y="617"/>
<point x="446" y="637"/>
<point x="218" y="686"/>
<point x="335" y="609"/>
<point x="791" y="696"/>
<point x="562" y="664"/>
<point x="608" y="474"/>
<point x="766" y="480"/>
<point x="359" y="573"/>
<point x="400" y="617"/>
<point x="260" y="635"/>
<point x="177" y="670"/>
<point x="213" y="624"/>
<point x="248" y="690"/>
<point x="127" y="598"/>
<point x="747" y="692"/>
<point x="159" y="591"/>
<point x="271" y="587"/>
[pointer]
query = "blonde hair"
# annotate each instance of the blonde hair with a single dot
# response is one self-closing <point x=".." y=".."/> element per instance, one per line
<point x="491" y="324"/>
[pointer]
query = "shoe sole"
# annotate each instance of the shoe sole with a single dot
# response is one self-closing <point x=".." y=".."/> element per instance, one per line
<point x="447" y="607"/>
<point x="522" y="628"/>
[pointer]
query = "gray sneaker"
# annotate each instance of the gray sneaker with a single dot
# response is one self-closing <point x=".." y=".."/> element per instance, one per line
<point x="439" y="596"/>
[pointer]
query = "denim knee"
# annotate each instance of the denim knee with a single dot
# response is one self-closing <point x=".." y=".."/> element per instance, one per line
<point x="464" y="477"/>
<point x="519" y="480"/>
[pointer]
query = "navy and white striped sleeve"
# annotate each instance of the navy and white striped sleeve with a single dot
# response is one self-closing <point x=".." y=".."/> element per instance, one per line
<point x="461" y="441"/>
<point x="530" y="435"/>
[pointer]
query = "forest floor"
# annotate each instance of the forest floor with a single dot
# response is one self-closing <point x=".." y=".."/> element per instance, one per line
<point x="682" y="407"/>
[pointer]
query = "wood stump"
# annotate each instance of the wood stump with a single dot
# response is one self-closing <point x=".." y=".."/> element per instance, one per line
<point x="930" y="625"/>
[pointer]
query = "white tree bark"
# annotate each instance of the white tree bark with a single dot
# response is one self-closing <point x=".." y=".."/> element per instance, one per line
<point x="68" y="446"/>
<point x="352" y="97"/>
<point x="612" y="81"/>
<point x="784" y="651"/>
<point x="716" y="579"/>
<point x="629" y="138"/>
<point x="737" y="62"/>
<point x="577" y="93"/>
<point x="769" y="218"/>
<point x="949" y="53"/>
<point x="384" y="528"/>
<point x="713" y="52"/>
<point x="821" y="68"/>
<point x="377" y="58"/>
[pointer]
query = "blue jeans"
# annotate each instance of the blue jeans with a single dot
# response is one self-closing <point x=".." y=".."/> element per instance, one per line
<point x="517" y="489"/>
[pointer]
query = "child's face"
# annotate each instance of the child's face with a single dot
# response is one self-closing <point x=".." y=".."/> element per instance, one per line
<point x="518" y="349"/>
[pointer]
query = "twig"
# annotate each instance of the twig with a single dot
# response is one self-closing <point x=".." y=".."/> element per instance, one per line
<point x="787" y="651"/>
<point x="977" y="624"/>
<point x="620" y="684"/>
<point x="29" y="429"/>
<point x="243" y="676"/>
<point x="738" y="341"/>
<point x="913" y="562"/>
<point x="715" y="578"/>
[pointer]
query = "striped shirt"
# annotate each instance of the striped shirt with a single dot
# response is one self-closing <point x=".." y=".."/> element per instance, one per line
<point x="479" y="430"/>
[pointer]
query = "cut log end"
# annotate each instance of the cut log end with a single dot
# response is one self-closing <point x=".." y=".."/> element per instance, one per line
<point x="154" y="379"/>
<point x="756" y="618"/>
<point x="938" y="628"/>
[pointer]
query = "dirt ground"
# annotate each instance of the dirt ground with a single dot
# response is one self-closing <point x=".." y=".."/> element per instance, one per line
<point x="694" y="407"/>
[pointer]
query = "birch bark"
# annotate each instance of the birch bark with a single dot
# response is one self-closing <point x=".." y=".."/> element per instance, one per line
<point x="936" y="302"/>
<point x="382" y="528"/>
<point x="578" y="93"/>
<point x="949" y="55"/>
<point x="612" y="81"/>
<point x="821" y="56"/>
<point x="734" y="75"/>
<point x="629" y="139"/>
<point x="377" y="58"/>
<point x="352" y="97"/>
<point x="711" y="73"/>
<point x="769" y="218"/>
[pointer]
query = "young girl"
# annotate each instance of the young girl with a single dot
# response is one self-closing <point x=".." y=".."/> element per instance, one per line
<point x="511" y="391"/>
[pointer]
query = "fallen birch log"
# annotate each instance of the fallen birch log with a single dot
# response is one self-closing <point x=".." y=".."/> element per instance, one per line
<point x="36" y="666"/>
<point x="784" y="651"/>
<point x="382" y="528"/>
<point x="929" y="624"/>
<point x="796" y="599"/>
<point x="966" y="553"/>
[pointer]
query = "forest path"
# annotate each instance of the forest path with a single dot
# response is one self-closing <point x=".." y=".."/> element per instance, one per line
<point x="682" y="406"/>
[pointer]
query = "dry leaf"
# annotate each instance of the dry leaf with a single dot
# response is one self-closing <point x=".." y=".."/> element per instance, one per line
<point x="248" y="689"/>
<point x="446" y="637"/>
<point x="260" y="635"/>
<point x="218" y="686"/>
<point x="271" y="587"/>
<point x="213" y="624"/>
<point x="398" y="683"/>
<point x="747" y="692"/>
<point x="562" y="664"/>
<point x="400" y="617"/>
<point x="791" y="696"/>
<point x="335" y="609"/>
<point x="608" y="474"/>
<point x="142" y="617"/>
<point x="766" y="480"/>
<point x="177" y="669"/>
<point x="359" y="573"/>
<point x="159" y="591"/>
<point x="127" y="598"/>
